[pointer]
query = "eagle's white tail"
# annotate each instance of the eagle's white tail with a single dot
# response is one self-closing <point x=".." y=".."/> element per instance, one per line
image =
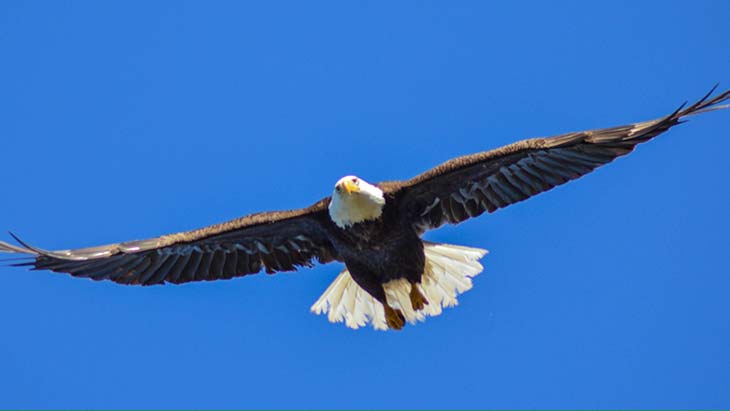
<point x="448" y="273"/>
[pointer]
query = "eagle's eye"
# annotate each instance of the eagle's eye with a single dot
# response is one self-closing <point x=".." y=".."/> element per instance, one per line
<point x="354" y="180"/>
<point x="338" y="188"/>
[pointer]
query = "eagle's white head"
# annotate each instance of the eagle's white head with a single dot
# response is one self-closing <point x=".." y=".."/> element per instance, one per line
<point x="354" y="200"/>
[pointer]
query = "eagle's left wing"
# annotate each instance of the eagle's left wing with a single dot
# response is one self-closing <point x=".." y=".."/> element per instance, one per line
<point x="470" y="185"/>
<point x="271" y="241"/>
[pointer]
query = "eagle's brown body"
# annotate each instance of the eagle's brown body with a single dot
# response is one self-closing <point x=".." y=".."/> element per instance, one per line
<point x="376" y="252"/>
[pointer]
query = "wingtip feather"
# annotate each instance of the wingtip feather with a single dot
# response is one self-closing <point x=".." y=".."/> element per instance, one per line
<point x="707" y="103"/>
<point x="29" y="249"/>
<point x="9" y="248"/>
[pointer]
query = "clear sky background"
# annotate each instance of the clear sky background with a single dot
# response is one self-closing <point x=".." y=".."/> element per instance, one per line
<point x="126" y="120"/>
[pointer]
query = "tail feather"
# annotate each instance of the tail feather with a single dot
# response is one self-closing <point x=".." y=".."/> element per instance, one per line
<point x="448" y="273"/>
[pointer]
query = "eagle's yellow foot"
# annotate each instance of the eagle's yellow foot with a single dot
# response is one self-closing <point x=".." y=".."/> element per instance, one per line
<point x="394" y="318"/>
<point x="418" y="301"/>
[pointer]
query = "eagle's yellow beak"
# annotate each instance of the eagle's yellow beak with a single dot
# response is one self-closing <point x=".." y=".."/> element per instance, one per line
<point x="350" y="187"/>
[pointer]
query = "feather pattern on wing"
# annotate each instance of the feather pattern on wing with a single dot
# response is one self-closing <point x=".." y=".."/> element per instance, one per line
<point x="273" y="241"/>
<point x="468" y="186"/>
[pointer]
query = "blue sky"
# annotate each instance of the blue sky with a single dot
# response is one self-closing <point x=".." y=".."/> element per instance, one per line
<point x="124" y="120"/>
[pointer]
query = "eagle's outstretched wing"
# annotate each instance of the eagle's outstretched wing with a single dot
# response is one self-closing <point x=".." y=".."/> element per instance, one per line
<point x="273" y="241"/>
<point x="467" y="186"/>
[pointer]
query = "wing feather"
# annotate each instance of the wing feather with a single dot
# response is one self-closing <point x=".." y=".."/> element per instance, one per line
<point x="467" y="186"/>
<point x="274" y="241"/>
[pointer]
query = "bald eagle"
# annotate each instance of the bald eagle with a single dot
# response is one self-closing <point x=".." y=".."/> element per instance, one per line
<point x="391" y="275"/>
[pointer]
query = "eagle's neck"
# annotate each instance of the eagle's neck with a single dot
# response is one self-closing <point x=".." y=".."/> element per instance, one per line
<point x="347" y="209"/>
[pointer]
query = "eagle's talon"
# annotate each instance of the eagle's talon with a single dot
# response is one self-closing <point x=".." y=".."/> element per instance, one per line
<point x="418" y="301"/>
<point x="394" y="318"/>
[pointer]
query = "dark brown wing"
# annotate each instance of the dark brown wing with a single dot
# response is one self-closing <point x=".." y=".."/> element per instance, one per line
<point x="273" y="241"/>
<point x="468" y="186"/>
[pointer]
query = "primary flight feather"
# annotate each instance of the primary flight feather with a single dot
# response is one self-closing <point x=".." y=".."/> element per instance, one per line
<point x="391" y="275"/>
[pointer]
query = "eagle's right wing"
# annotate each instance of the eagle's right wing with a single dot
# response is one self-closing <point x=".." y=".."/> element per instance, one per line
<point x="273" y="241"/>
